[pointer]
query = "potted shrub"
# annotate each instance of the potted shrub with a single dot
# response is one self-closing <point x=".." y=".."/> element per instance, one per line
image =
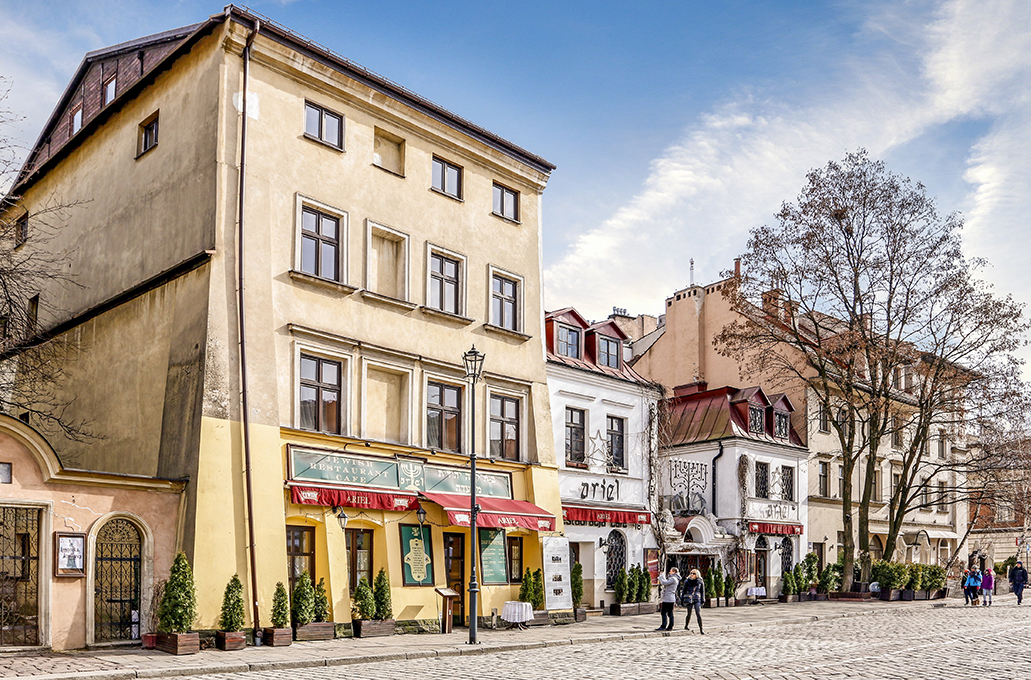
<point x="620" y="607"/>
<point x="309" y="613"/>
<point x="230" y="636"/>
<point x="717" y="585"/>
<point x="363" y="610"/>
<point x="632" y="584"/>
<point x="812" y="572"/>
<point x="920" y="592"/>
<point x="729" y="591"/>
<point x="826" y="582"/>
<point x="884" y="572"/>
<point x="279" y="635"/>
<point x="801" y="582"/>
<point x="150" y="640"/>
<point x="644" y="592"/>
<point x="384" y="615"/>
<point x="540" y="614"/>
<point x="788" y="588"/>
<point x="177" y="611"/>
<point x="912" y="582"/>
<point x="934" y="581"/>
<point x="576" y="588"/>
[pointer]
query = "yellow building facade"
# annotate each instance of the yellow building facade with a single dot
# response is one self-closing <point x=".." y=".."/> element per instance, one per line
<point x="283" y="258"/>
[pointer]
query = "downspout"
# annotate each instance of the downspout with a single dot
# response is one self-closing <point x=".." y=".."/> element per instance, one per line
<point x="245" y="419"/>
<point x="714" y="459"/>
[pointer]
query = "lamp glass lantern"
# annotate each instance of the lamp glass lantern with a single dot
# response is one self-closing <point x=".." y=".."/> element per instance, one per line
<point x="342" y="518"/>
<point x="473" y="363"/>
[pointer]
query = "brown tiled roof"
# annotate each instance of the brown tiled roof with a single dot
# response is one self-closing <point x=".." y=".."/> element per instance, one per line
<point x="712" y="415"/>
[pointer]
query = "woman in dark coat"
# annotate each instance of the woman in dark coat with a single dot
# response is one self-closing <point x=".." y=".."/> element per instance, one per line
<point x="694" y="588"/>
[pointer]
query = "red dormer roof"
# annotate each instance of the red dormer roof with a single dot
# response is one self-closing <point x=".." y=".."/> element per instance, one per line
<point x="588" y="360"/>
<point x="608" y="327"/>
<point x="722" y="414"/>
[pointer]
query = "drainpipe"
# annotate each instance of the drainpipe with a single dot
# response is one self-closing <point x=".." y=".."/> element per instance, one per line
<point x="714" y="459"/>
<point x="240" y="307"/>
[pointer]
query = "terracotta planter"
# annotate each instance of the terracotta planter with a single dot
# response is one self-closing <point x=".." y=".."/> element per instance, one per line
<point x="890" y="595"/>
<point x="149" y="640"/>
<point x="367" y="629"/>
<point x="178" y="643"/>
<point x="276" y="637"/>
<point x="319" y="630"/>
<point x="580" y="614"/>
<point x="230" y="641"/>
<point x="626" y="609"/>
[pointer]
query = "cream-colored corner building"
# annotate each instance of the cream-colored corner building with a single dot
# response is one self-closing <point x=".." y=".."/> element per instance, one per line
<point x="382" y="236"/>
<point x="680" y="351"/>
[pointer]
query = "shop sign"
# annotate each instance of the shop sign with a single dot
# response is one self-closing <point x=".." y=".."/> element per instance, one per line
<point x="329" y="467"/>
<point x="558" y="593"/>
<point x="493" y="556"/>
<point x="601" y="489"/>
<point x="416" y="555"/>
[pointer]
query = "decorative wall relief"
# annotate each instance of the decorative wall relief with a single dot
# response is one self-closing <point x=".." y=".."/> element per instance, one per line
<point x="688" y="480"/>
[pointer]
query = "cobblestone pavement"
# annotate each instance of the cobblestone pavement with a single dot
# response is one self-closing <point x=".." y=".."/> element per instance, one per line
<point x="917" y="643"/>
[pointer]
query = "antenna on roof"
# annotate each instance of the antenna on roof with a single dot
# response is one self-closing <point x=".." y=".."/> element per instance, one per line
<point x="692" y="271"/>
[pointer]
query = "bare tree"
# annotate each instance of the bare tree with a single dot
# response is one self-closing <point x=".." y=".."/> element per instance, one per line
<point x="860" y="295"/>
<point x="32" y="359"/>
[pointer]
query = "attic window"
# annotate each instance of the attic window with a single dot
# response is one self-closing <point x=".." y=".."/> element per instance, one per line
<point x="76" y="120"/>
<point x="780" y="423"/>
<point x="608" y="352"/>
<point x="109" y="90"/>
<point x="568" y="342"/>
<point x="755" y="419"/>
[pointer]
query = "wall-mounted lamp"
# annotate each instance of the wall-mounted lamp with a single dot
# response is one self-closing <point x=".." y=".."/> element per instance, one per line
<point x="603" y="545"/>
<point x="421" y="514"/>
<point x="341" y="516"/>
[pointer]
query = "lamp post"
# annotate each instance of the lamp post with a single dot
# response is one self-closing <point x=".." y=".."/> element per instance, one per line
<point x="473" y="367"/>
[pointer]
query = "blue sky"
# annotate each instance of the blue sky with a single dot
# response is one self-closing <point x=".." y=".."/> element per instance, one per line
<point x="676" y="126"/>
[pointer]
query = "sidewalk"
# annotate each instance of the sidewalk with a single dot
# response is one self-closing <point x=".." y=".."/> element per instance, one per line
<point x="124" y="663"/>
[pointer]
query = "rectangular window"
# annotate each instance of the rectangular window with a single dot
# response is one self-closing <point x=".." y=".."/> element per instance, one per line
<point x="21" y="230"/>
<point x="445" y="283"/>
<point x="617" y="441"/>
<point x="896" y="377"/>
<point x="320" y="394"/>
<point x="608" y="352"/>
<point x="515" y="559"/>
<point x="109" y="90"/>
<point x="925" y="493"/>
<point x="506" y="202"/>
<point x="76" y="120"/>
<point x="443" y="417"/>
<point x="388" y="152"/>
<point x="755" y="420"/>
<point x="447" y="178"/>
<point x="780" y="422"/>
<point x="762" y="480"/>
<point x="32" y="316"/>
<point x="505" y="303"/>
<point x="896" y="434"/>
<point x="896" y="481"/>
<point x="825" y="419"/>
<point x="943" y="497"/>
<point x="323" y="125"/>
<point x="5" y="473"/>
<point x="942" y="444"/>
<point x="575" y="428"/>
<point x="300" y="553"/>
<point x="320" y="244"/>
<point x="824" y="488"/>
<point x="841" y="481"/>
<point x="504" y="427"/>
<point x="568" y="342"/>
<point x="358" y="543"/>
<point x="149" y="134"/>
<point x="787" y="483"/>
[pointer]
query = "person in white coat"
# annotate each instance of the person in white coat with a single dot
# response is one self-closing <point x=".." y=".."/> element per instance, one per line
<point x="669" y="584"/>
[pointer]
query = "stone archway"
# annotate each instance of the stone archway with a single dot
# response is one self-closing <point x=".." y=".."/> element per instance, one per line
<point x="122" y="549"/>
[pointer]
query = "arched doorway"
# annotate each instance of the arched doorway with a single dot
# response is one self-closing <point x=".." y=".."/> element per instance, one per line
<point x="615" y="558"/>
<point x="787" y="555"/>
<point x="116" y="585"/>
<point x="876" y="547"/>
<point x="761" y="559"/>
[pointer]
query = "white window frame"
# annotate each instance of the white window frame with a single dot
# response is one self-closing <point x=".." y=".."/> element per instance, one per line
<point x="580" y="341"/>
<point x="346" y="380"/>
<point x="493" y="270"/>
<point x="451" y="381"/>
<point x="521" y="397"/>
<point x="406" y="399"/>
<point x="463" y="278"/>
<point x="371" y="227"/>
<point x="301" y="202"/>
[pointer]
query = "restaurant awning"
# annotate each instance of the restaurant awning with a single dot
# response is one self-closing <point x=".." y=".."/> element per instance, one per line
<point x="495" y="513"/>
<point x="353" y="498"/>
<point x="583" y="514"/>
<point x="775" y="529"/>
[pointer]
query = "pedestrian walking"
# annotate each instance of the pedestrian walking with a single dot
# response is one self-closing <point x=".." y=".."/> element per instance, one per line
<point x="669" y="585"/>
<point x="987" y="586"/>
<point x="694" y="586"/>
<point x="965" y="584"/>
<point x="1018" y="579"/>
<point x="975" y="586"/>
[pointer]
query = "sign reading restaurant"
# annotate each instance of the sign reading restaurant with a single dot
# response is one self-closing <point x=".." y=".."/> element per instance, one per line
<point x="332" y="468"/>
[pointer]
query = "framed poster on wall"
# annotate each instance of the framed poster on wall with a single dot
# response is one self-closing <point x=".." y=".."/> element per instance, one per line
<point x="416" y="555"/>
<point x="69" y="554"/>
<point x="493" y="556"/>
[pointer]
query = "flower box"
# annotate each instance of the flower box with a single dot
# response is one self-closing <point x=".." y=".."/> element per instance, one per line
<point x="367" y="629"/>
<point x="908" y="594"/>
<point x="647" y="607"/>
<point x="627" y="609"/>
<point x="921" y="595"/>
<point x="276" y="637"/>
<point x="580" y="614"/>
<point x="230" y="641"/>
<point x="320" y="630"/>
<point x="890" y="595"/>
<point x="787" y="598"/>
<point x="178" y="643"/>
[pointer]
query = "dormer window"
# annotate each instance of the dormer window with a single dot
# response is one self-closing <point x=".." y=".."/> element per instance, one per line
<point x="608" y="352"/>
<point x="568" y="342"/>
<point x="780" y="425"/>
<point x="755" y="419"/>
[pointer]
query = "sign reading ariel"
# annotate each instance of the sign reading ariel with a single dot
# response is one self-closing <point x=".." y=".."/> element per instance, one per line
<point x="330" y="467"/>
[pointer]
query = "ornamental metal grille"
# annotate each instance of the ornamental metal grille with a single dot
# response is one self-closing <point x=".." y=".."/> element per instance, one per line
<point x="117" y="582"/>
<point x="615" y="559"/>
<point x="19" y="576"/>
<point x="787" y="483"/>
<point x="762" y="480"/>
<point x="787" y="555"/>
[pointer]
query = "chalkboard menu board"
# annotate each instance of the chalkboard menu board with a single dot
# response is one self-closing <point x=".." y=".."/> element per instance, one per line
<point x="416" y="555"/>
<point x="493" y="556"/>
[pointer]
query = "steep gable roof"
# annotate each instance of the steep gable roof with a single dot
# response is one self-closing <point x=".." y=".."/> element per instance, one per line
<point x="714" y="414"/>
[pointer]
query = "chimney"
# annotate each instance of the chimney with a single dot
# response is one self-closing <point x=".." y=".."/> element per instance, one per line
<point x="692" y="271"/>
<point x="737" y="267"/>
<point x="690" y="388"/>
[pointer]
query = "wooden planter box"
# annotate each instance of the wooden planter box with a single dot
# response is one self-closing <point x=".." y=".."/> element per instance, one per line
<point x="276" y="637"/>
<point x="939" y="594"/>
<point x="367" y="629"/>
<point x="908" y="594"/>
<point x="580" y="614"/>
<point x="319" y="630"/>
<point x="890" y="595"/>
<point x="230" y="641"/>
<point x="820" y="597"/>
<point x="787" y="598"/>
<point x="921" y="595"/>
<point x="647" y="607"/>
<point x="178" y="643"/>
<point x="540" y="618"/>
<point x="628" y="609"/>
<point x="149" y="640"/>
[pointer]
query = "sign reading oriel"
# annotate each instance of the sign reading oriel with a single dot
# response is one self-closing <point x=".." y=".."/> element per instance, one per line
<point x="416" y="555"/>
<point x="558" y="593"/>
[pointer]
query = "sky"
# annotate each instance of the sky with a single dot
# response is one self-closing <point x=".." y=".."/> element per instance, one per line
<point x="676" y="126"/>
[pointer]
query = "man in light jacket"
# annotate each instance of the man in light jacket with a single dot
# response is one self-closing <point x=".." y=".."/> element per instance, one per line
<point x="669" y="597"/>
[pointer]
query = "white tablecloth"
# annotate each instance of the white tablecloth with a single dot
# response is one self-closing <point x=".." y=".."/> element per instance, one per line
<point x="517" y="612"/>
<point x="757" y="592"/>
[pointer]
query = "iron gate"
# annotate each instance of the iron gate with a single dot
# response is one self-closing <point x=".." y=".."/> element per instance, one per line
<point x="117" y="582"/>
<point x="19" y="576"/>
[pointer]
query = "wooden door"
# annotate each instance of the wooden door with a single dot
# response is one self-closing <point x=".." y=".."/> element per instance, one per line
<point x="454" y="566"/>
<point x="761" y="559"/>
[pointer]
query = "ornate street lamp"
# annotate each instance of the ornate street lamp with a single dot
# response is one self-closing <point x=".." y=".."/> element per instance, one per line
<point x="341" y="517"/>
<point x="473" y="368"/>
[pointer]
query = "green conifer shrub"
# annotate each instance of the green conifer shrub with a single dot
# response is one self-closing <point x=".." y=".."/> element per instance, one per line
<point x="232" y="617"/>
<point x="620" y="586"/>
<point x="538" y="590"/>
<point x="381" y="593"/>
<point x="178" y="606"/>
<point x="632" y="584"/>
<point x="363" y="605"/>
<point x="789" y="583"/>
<point x="526" y="587"/>
<point x="576" y="584"/>
<point x="280" y="607"/>
<point x="644" y="590"/>
<point x="303" y="601"/>
<point x="321" y="601"/>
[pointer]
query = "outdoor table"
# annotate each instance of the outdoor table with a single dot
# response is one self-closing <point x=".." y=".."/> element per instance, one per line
<point x="517" y="612"/>
<point x="756" y="593"/>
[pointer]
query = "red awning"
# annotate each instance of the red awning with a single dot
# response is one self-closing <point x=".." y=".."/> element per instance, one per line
<point x="780" y="529"/>
<point x="353" y="498"/>
<point x="495" y="513"/>
<point x="577" y="514"/>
